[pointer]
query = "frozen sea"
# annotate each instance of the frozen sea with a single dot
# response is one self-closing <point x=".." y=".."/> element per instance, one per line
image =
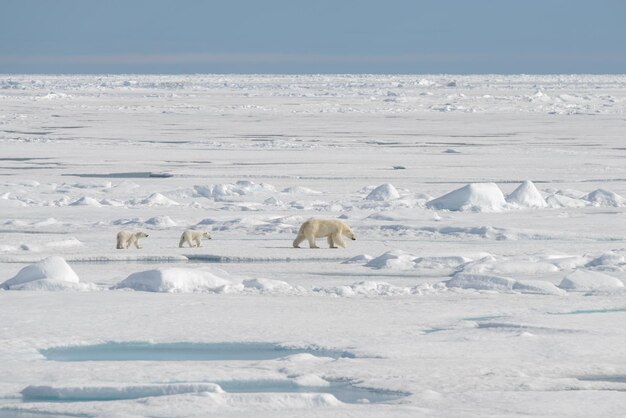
<point x="487" y="277"/>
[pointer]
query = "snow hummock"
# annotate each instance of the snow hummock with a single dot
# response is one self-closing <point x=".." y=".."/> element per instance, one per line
<point x="86" y="201"/>
<point x="502" y="284"/>
<point x="602" y="197"/>
<point x="300" y="190"/>
<point x="176" y="280"/>
<point x="161" y="221"/>
<point x="373" y="288"/>
<point x="227" y="190"/>
<point x="395" y="259"/>
<point x="481" y="282"/>
<point x="476" y="197"/>
<point x="51" y="273"/>
<point x="585" y="280"/>
<point x="527" y="195"/>
<point x="268" y="285"/>
<point x="157" y="199"/>
<point x="383" y="193"/>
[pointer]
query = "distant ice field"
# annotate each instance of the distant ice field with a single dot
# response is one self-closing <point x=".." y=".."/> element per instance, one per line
<point x="487" y="277"/>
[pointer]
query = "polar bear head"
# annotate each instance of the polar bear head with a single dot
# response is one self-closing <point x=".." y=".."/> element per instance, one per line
<point x="347" y="232"/>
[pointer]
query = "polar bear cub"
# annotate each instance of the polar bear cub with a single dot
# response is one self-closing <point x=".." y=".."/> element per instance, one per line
<point x="126" y="238"/>
<point x="332" y="229"/>
<point x="190" y="236"/>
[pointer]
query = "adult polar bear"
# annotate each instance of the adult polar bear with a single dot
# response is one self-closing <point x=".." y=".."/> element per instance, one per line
<point x="333" y="229"/>
<point x="190" y="236"/>
<point x="126" y="238"/>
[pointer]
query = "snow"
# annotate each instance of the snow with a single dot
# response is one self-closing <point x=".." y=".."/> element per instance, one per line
<point x="527" y="195"/>
<point x="472" y="197"/>
<point x="585" y="280"/>
<point x="175" y="280"/>
<point x="383" y="193"/>
<point x="601" y="197"/>
<point x="50" y="268"/>
<point x="464" y="301"/>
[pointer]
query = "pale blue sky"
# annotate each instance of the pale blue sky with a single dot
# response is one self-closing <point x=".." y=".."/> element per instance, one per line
<point x="315" y="36"/>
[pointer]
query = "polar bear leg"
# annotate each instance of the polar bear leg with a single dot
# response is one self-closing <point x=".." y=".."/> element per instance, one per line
<point x="298" y="240"/>
<point x="182" y="241"/>
<point x="311" y="239"/>
<point x="331" y="244"/>
<point x="338" y="240"/>
<point x="120" y="244"/>
<point x="198" y="242"/>
<point x="136" y="242"/>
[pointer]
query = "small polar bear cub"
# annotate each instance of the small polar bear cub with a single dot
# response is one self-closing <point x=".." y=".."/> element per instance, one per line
<point x="126" y="238"/>
<point x="190" y="236"/>
<point x="333" y="229"/>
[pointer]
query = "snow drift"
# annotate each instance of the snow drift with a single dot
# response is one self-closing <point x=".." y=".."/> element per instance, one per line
<point x="51" y="273"/>
<point x="585" y="280"/>
<point x="478" y="197"/>
<point x="175" y="280"/>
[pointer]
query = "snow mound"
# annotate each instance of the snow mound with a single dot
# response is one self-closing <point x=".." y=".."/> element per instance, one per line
<point x="383" y="193"/>
<point x="526" y="195"/>
<point x="157" y="199"/>
<point x="93" y="393"/>
<point x="51" y="273"/>
<point x="176" y="280"/>
<point x="273" y="201"/>
<point x="540" y="287"/>
<point x="395" y="259"/>
<point x="268" y="285"/>
<point x="508" y="267"/>
<point x="373" y="288"/>
<point x="585" y="280"/>
<point x="608" y="260"/>
<point x="240" y="188"/>
<point x="476" y="197"/>
<point x="251" y="187"/>
<point x="161" y="221"/>
<point x="481" y="282"/>
<point x="86" y="201"/>
<point x="601" y="197"/>
<point x="300" y="190"/>
<point x="439" y="262"/>
<point x="502" y="284"/>
<point x="358" y="259"/>
<point x="561" y="201"/>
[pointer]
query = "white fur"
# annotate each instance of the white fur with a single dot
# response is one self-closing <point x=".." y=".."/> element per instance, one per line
<point x="190" y="236"/>
<point x="126" y="238"/>
<point x="332" y="229"/>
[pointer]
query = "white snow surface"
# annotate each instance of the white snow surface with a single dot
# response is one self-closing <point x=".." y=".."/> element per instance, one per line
<point x="469" y="304"/>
